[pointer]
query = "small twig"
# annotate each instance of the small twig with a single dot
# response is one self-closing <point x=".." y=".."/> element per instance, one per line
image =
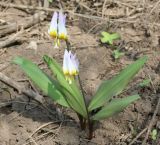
<point x="124" y="4"/>
<point x="4" y="104"/>
<point x="152" y="121"/>
<point x="84" y="46"/>
<point x="2" y="52"/>
<point x="103" y="8"/>
<point x="11" y="5"/>
<point x="28" y="92"/>
<point x="21" y="89"/>
<point x="44" y="125"/>
<point x="154" y="7"/>
<point x="86" y="7"/>
<point x="51" y="10"/>
<point x="13" y="27"/>
<point x="138" y="135"/>
<point x="11" y="39"/>
<point x="44" y="134"/>
<point x="4" y="66"/>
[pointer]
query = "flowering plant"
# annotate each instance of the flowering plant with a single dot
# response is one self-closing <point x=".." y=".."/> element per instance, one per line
<point x="63" y="88"/>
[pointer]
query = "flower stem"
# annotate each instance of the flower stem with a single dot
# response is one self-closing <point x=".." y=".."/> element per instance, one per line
<point x="90" y="128"/>
<point x="90" y="123"/>
<point x="81" y="119"/>
<point x="68" y="45"/>
<point x="82" y="122"/>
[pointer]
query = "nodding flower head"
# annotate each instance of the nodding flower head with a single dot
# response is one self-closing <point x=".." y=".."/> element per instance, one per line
<point x="57" y="27"/>
<point x="70" y="66"/>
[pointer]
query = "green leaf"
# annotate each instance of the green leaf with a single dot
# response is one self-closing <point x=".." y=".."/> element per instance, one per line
<point x="109" y="38"/>
<point x="72" y="92"/>
<point x="114" y="86"/>
<point x="117" y="54"/>
<point x="48" y="86"/>
<point x="50" y="1"/>
<point x="114" y="107"/>
<point x="154" y="134"/>
<point x="145" y="83"/>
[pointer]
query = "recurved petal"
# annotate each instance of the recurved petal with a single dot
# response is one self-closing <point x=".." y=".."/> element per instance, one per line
<point x="65" y="62"/>
<point x="62" y="32"/>
<point x="54" y="25"/>
<point x="75" y="62"/>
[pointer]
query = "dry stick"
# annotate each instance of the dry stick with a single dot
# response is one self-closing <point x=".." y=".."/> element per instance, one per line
<point x="4" y="66"/>
<point x="50" y="10"/>
<point x="4" y="104"/>
<point x="152" y="121"/>
<point x="28" y="92"/>
<point x="103" y="8"/>
<point x="87" y="8"/>
<point x="44" y="125"/>
<point x="71" y="12"/>
<point x="11" y="40"/>
<point x="34" y="95"/>
<point x="154" y="7"/>
<point x="13" y="27"/>
<point x="21" y="89"/>
<point x="139" y="134"/>
<point x="27" y="7"/>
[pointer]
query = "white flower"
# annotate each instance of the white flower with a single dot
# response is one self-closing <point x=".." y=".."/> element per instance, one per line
<point x="57" y="28"/>
<point x="53" y="29"/>
<point x="70" y="66"/>
<point x="62" y="32"/>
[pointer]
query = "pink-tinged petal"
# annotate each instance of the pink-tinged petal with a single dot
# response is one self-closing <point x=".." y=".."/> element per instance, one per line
<point x="54" y="25"/>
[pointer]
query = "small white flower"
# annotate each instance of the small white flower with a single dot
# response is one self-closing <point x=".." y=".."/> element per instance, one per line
<point x="70" y="66"/>
<point x="53" y="29"/>
<point x="62" y="32"/>
<point x="57" y="28"/>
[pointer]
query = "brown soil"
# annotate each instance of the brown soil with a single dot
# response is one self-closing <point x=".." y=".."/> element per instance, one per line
<point x="138" y="23"/>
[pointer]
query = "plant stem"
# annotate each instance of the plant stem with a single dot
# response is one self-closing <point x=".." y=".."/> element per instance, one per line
<point x="82" y="122"/>
<point x="68" y="45"/>
<point x="90" y="128"/>
<point x="81" y="119"/>
<point x="90" y="124"/>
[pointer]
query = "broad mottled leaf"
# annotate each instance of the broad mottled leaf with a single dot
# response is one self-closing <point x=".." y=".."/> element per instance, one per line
<point x="73" y="96"/>
<point x="47" y="85"/>
<point x="114" y="86"/>
<point x="114" y="107"/>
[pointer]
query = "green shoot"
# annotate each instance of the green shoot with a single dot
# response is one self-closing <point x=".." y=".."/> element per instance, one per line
<point x="145" y="83"/>
<point x="117" y="54"/>
<point x="109" y="38"/>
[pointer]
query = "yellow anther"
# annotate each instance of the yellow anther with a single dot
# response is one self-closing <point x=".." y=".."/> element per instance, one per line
<point x="53" y="34"/>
